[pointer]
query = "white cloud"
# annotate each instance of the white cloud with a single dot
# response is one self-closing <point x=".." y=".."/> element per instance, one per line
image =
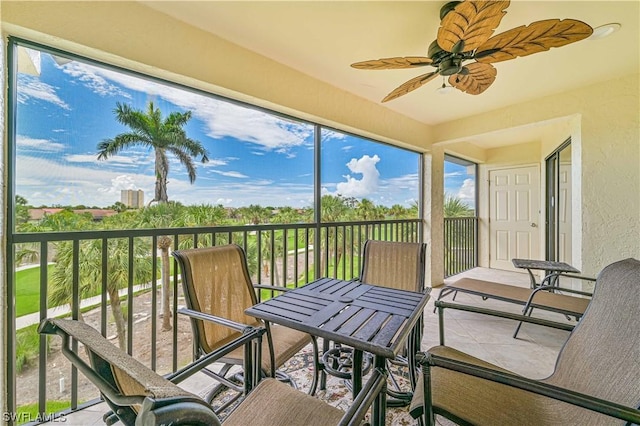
<point x="328" y="134"/>
<point x="24" y="142"/>
<point x="405" y="183"/>
<point x="91" y="77"/>
<point x="214" y="162"/>
<point x="368" y="184"/>
<point x="118" y="184"/>
<point x="115" y="160"/>
<point x="221" y="118"/>
<point x="231" y="174"/>
<point x="467" y="192"/>
<point x="30" y="87"/>
<point x="74" y="184"/>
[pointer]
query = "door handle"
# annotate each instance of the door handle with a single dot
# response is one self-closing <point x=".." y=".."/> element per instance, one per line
<point x="534" y="225"/>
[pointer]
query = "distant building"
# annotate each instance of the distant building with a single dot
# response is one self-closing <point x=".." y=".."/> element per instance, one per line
<point x="132" y="198"/>
<point x="96" y="214"/>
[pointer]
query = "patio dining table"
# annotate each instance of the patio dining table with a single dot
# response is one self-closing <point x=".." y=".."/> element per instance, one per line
<point x="369" y="318"/>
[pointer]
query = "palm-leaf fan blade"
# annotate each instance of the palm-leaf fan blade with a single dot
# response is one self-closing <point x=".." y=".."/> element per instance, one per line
<point x="470" y="22"/>
<point x="410" y="85"/>
<point x="537" y="37"/>
<point x="393" y="63"/>
<point x="477" y="80"/>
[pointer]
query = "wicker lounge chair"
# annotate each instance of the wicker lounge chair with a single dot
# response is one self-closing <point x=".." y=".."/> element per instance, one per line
<point x="596" y="378"/>
<point x="399" y="265"/>
<point x="218" y="289"/>
<point x="139" y="396"/>
<point x="546" y="296"/>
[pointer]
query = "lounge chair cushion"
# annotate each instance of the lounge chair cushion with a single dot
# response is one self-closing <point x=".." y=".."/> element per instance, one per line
<point x="520" y="295"/>
<point x="273" y="403"/>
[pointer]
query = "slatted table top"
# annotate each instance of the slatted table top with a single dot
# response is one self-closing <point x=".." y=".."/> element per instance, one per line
<point x="546" y="265"/>
<point x="370" y="318"/>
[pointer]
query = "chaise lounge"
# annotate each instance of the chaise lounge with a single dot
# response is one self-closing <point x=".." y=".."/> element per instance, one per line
<point x="546" y="296"/>
<point x="596" y="378"/>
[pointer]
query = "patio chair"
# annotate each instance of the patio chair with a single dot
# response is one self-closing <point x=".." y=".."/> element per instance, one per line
<point x="399" y="265"/>
<point x="596" y="378"/>
<point x="217" y="290"/>
<point x="139" y="396"/>
<point x="548" y="296"/>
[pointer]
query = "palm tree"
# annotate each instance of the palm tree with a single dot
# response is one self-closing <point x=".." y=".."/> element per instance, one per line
<point x="255" y="214"/>
<point x="366" y="210"/>
<point x="164" y="215"/>
<point x="333" y="209"/>
<point x="455" y="207"/>
<point x="397" y="211"/>
<point x="90" y="274"/>
<point x="164" y="136"/>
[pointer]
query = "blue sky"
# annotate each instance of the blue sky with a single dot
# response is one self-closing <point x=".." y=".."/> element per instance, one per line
<point x="65" y="110"/>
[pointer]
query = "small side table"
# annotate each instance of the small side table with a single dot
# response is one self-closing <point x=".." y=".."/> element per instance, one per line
<point x="549" y="266"/>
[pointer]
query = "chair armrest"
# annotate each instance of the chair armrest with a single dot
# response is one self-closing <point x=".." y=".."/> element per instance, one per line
<point x="441" y="306"/>
<point x="271" y="287"/>
<point x="248" y="334"/>
<point x="215" y="319"/>
<point x="554" y="288"/>
<point x="51" y="327"/>
<point x="541" y="388"/>
<point x="375" y="386"/>
<point x="554" y="278"/>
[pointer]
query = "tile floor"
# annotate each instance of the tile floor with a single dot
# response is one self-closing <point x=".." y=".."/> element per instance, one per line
<point x="533" y="354"/>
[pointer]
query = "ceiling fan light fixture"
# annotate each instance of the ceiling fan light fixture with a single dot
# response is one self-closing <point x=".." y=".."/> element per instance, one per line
<point x="444" y="89"/>
<point x="604" y="31"/>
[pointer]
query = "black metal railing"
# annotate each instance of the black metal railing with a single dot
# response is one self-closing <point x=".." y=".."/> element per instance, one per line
<point x="460" y="244"/>
<point x="282" y="255"/>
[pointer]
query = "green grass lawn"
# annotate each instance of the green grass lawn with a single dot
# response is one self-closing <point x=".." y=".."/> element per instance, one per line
<point x="28" y="290"/>
<point x="29" y="412"/>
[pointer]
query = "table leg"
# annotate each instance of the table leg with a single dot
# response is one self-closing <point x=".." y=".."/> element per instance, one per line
<point x="356" y="372"/>
<point x="415" y="338"/>
<point x="534" y="284"/>
<point x="379" y="409"/>
<point x="323" y="373"/>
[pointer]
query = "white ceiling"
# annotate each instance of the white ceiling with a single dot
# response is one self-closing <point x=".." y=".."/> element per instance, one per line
<point x="322" y="39"/>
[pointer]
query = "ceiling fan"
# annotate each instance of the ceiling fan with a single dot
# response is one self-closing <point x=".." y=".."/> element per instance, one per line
<point x="465" y="35"/>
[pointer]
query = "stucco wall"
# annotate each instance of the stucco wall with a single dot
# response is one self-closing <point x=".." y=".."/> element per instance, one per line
<point x="603" y="121"/>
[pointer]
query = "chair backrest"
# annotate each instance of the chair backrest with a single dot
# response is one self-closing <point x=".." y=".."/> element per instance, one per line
<point x="601" y="357"/>
<point x="216" y="281"/>
<point x="399" y="265"/>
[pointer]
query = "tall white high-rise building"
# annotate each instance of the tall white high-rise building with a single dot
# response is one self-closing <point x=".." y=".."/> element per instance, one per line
<point x="132" y="198"/>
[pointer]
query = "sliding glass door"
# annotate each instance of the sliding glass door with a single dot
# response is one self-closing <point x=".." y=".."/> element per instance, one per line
<point x="558" y="226"/>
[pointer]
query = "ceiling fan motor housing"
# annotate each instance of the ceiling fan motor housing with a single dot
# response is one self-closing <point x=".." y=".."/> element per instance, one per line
<point x="436" y="53"/>
<point x="450" y="66"/>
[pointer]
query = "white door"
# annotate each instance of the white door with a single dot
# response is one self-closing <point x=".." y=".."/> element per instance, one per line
<point x="514" y="215"/>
